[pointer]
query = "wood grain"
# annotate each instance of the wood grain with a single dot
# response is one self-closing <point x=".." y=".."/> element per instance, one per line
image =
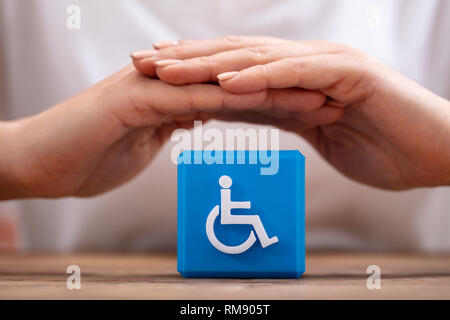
<point x="154" y="276"/>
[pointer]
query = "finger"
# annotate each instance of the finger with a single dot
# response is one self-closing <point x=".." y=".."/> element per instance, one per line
<point x="254" y="117"/>
<point x="335" y="75"/>
<point x="193" y="48"/>
<point x="165" y="44"/>
<point x="155" y="101"/>
<point x="206" y="68"/>
<point x="185" y="49"/>
<point x="301" y="122"/>
<point x="288" y="101"/>
<point x="168" y="99"/>
<point x="294" y="100"/>
<point x="322" y="116"/>
<point x="152" y="102"/>
<point x="208" y="98"/>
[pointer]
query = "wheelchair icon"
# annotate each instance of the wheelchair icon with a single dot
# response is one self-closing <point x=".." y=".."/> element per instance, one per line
<point x="226" y="205"/>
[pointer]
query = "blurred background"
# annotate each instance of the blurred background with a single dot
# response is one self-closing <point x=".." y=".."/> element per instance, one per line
<point x="45" y="58"/>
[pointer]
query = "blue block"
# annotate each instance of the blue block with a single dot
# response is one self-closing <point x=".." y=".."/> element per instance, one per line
<point x="207" y="248"/>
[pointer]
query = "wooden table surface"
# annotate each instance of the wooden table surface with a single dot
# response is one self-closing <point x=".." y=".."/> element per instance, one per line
<point x="154" y="276"/>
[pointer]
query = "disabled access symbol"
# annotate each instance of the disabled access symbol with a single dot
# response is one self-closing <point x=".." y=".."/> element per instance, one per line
<point x="226" y="205"/>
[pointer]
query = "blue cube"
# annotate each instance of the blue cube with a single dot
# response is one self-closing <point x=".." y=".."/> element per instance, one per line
<point x="237" y="220"/>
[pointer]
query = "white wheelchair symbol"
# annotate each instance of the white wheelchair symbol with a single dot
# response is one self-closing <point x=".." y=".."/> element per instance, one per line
<point x="226" y="205"/>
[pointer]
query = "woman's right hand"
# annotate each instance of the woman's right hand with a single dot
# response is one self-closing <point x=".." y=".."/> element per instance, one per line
<point x="392" y="133"/>
<point x="107" y="134"/>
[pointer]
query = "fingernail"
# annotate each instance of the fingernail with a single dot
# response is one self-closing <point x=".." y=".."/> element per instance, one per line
<point x="167" y="62"/>
<point x="164" y="44"/>
<point x="227" y="75"/>
<point x="142" y="54"/>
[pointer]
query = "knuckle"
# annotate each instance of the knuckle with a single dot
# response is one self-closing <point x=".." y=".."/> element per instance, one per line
<point x="257" y="53"/>
<point x="223" y="103"/>
<point x="179" y="51"/>
<point x="269" y="101"/>
<point x="263" y="71"/>
<point x="206" y="66"/>
<point x="189" y="99"/>
<point x="357" y="84"/>
<point x="299" y="63"/>
<point x="257" y="50"/>
<point x="205" y="60"/>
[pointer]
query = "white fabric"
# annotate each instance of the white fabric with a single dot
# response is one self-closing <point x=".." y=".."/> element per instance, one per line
<point x="42" y="63"/>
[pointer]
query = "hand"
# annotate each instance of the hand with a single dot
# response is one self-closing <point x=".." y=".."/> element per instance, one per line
<point x="393" y="133"/>
<point x="107" y="134"/>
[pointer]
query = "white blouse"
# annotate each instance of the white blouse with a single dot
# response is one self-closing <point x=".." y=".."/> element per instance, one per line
<point x="42" y="62"/>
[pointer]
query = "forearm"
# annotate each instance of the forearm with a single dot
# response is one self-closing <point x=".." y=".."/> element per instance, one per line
<point x="36" y="153"/>
<point x="425" y="116"/>
<point x="10" y="187"/>
<point x="444" y="140"/>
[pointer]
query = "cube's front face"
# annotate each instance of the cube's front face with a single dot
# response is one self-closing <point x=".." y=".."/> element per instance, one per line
<point x="209" y="246"/>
